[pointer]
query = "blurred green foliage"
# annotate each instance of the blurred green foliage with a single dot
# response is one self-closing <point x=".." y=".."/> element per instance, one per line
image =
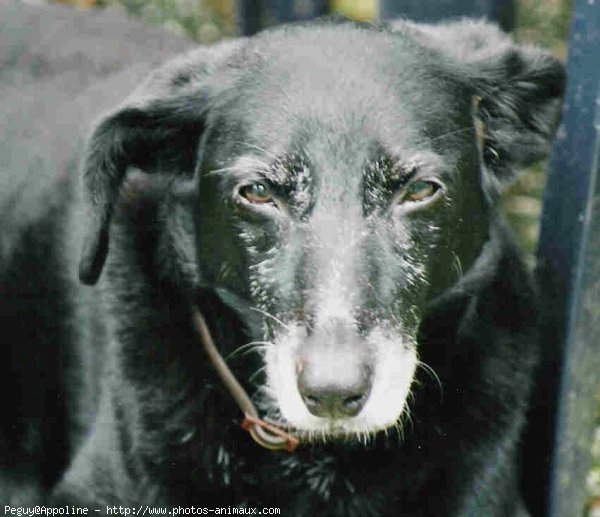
<point x="203" y="21"/>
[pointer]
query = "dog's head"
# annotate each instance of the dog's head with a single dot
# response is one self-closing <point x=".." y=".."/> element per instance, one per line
<point x="344" y="177"/>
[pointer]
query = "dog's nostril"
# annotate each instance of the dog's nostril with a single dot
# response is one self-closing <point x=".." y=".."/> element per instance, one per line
<point x="312" y="402"/>
<point x="354" y="401"/>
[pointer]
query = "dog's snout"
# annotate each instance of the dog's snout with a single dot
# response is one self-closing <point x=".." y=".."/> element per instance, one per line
<point x="333" y="374"/>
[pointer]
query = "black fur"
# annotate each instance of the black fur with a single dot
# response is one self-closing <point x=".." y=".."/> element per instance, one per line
<point x="114" y="401"/>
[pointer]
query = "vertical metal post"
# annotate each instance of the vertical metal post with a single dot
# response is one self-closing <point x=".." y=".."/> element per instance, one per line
<point x="282" y="11"/>
<point x="569" y="272"/>
<point x="255" y="15"/>
<point x="500" y="11"/>
<point x="250" y="15"/>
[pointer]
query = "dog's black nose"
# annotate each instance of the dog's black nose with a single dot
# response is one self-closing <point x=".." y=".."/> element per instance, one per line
<point x="334" y="401"/>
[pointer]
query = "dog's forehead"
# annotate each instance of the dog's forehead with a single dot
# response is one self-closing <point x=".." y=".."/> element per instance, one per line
<point x="354" y="88"/>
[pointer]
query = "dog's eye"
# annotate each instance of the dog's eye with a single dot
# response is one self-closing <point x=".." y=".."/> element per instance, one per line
<point x="420" y="190"/>
<point x="257" y="193"/>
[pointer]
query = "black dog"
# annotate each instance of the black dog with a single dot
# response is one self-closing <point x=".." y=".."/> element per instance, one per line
<point x="325" y="193"/>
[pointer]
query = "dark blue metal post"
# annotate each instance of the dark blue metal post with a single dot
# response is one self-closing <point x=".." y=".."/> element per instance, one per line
<point x="569" y="271"/>
<point x="281" y="11"/>
<point x="255" y="15"/>
<point x="250" y="16"/>
<point x="500" y="11"/>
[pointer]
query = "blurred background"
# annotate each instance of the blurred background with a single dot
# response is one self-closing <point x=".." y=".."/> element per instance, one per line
<point x="543" y="22"/>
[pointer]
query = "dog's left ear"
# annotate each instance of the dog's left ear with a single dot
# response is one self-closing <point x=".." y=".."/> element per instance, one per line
<point x="516" y="90"/>
<point x="156" y="130"/>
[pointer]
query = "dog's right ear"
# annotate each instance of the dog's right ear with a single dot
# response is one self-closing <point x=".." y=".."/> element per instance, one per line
<point x="156" y="130"/>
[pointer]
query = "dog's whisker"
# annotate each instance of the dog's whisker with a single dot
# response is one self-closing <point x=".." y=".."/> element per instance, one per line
<point x="235" y="169"/>
<point x="258" y="372"/>
<point x="444" y="135"/>
<point x="406" y="416"/>
<point x="269" y="315"/>
<point x="222" y="170"/>
<point x="399" y="430"/>
<point x="457" y="264"/>
<point x="261" y="150"/>
<point x="253" y="346"/>
<point x="432" y="373"/>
